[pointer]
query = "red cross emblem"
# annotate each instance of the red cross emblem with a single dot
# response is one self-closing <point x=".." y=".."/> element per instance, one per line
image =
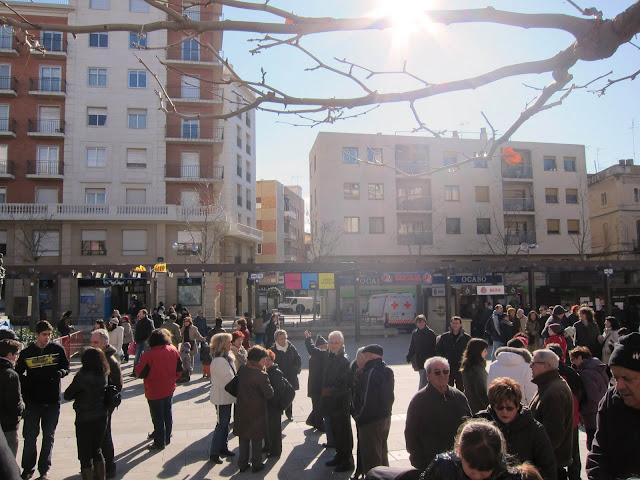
<point x="407" y="305"/>
<point x="394" y="305"/>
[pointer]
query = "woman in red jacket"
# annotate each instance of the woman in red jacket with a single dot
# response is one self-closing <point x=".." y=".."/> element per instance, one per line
<point x="160" y="367"/>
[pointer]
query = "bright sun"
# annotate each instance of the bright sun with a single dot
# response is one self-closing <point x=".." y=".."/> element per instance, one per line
<point x="407" y="16"/>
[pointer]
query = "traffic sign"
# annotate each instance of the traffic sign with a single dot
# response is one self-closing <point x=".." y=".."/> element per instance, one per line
<point x="256" y="276"/>
<point x="219" y="287"/>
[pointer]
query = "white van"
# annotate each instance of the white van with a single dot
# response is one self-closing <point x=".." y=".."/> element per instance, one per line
<point x="396" y="309"/>
<point x="290" y="305"/>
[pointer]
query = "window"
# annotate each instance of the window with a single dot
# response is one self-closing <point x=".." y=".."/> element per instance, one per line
<point x="136" y="158"/>
<point x="47" y="161"/>
<point x="189" y="198"/>
<point x="96" y="156"/>
<point x="46" y="243"/>
<point x="571" y="195"/>
<point x="553" y="226"/>
<point x="247" y="120"/>
<point x="137" y="79"/>
<point x="483" y="226"/>
<point x="94" y="242"/>
<point x="192" y="12"/>
<point x="450" y="158"/>
<point x="238" y="195"/>
<point x="636" y="194"/>
<point x="99" y="40"/>
<point x="4" y="118"/>
<point x="350" y="155"/>
<point x="189" y="87"/>
<point x="550" y="164"/>
<point x="6" y="37"/>
<point x="374" y="155"/>
<point x="134" y="242"/>
<point x="49" y="120"/>
<point x="189" y="165"/>
<point x="50" y="79"/>
<point x="137" y="40"/>
<point x="248" y="199"/>
<point x="239" y="165"/>
<point x="569" y="164"/>
<point x="480" y="161"/>
<point x="136" y="196"/>
<point x="97" y="77"/>
<point x="52" y="41"/>
<point x="191" y="50"/>
<point x="95" y="196"/>
<point x="3" y="242"/>
<point x="351" y="191"/>
<point x="138" y="6"/>
<point x="248" y="171"/>
<point x="352" y="224"/>
<point x="453" y="226"/>
<point x="46" y="195"/>
<point x="482" y="194"/>
<point x="452" y="193"/>
<point x="603" y="199"/>
<point x="4" y="158"/>
<point x="96" y="116"/>
<point x="573" y="227"/>
<point x="190" y="128"/>
<point x="238" y="136"/>
<point x="259" y="249"/>
<point x="551" y="195"/>
<point x="376" y="191"/>
<point x="137" y="119"/>
<point x="376" y="225"/>
<point x="99" y="4"/>
<point x="247" y="145"/>
<point x="3" y="195"/>
<point x="189" y="242"/>
<point x="5" y="77"/>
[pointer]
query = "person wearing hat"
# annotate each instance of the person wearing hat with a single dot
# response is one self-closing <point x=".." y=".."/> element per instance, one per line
<point x="372" y="400"/>
<point x="614" y="452"/>
<point x="250" y="423"/>
<point x="317" y="354"/>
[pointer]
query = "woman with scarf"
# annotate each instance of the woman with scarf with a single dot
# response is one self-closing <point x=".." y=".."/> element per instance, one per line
<point x="289" y="361"/>
<point x="222" y="372"/>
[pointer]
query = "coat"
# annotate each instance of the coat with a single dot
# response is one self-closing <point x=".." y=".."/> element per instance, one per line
<point x="115" y="372"/>
<point x="514" y="363"/>
<point x="611" y="337"/>
<point x="254" y="390"/>
<point x="614" y="453"/>
<point x="422" y="346"/>
<point x="160" y="367"/>
<point x="452" y="347"/>
<point x="174" y="329"/>
<point x="283" y="391"/>
<point x="587" y="336"/>
<point x="448" y="466"/>
<point x="336" y="384"/>
<point x="116" y="339"/>
<point x="87" y="391"/>
<point x="269" y="332"/>
<point x="143" y="330"/>
<point x="11" y="404"/>
<point x="527" y="440"/>
<point x="432" y="422"/>
<point x="553" y="407"/>
<point x="474" y="379"/>
<point x="127" y="337"/>
<point x="373" y="393"/>
<point x="596" y="382"/>
<point x="40" y="371"/>
<point x="317" y="359"/>
<point x="289" y="362"/>
<point x="222" y="372"/>
<point x="193" y="334"/>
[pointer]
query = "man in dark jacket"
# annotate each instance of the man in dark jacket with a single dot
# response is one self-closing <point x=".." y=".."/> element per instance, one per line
<point x="100" y="339"/>
<point x="41" y="366"/>
<point x="289" y="361"/>
<point x="552" y="406"/>
<point x="422" y="347"/>
<point x="314" y="382"/>
<point x="144" y="327"/>
<point x="614" y="452"/>
<point x="451" y="345"/>
<point x="434" y="415"/>
<point x="336" y="401"/>
<point x="11" y="404"/>
<point x="372" y="402"/>
<point x="283" y="393"/>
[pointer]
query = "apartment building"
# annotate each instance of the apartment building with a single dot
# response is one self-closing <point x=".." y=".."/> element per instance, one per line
<point x="280" y="216"/>
<point x="614" y="206"/>
<point x="117" y="181"/>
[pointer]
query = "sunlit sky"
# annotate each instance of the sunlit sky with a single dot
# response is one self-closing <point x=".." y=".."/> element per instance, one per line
<point x="439" y="53"/>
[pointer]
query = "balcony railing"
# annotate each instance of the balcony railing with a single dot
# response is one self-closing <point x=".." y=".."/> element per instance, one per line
<point x="424" y="238"/>
<point x="47" y="126"/>
<point x="8" y="84"/>
<point x="413" y="204"/>
<point x="45" y="168"/>
<point x="193" y="133"/>
<point x="517" y="171"/>
<point x="518" y="238"/>
<point x="194" y="172"/>
<point x="55" y="85"/>
<point x="518" y="204"/>
<point x="196" y="94"/>
<point x="6" y="168"/>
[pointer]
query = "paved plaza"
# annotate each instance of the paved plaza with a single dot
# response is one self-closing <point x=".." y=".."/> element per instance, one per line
<point x="195" y="418"/>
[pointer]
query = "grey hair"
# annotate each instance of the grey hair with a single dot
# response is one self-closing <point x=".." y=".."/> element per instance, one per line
<point x="432" y="360"/>
<point x="547" y="356"/>
<point x="338" y="334"/>
<point x="279" y="332"/>
<point x="103" y="334"/>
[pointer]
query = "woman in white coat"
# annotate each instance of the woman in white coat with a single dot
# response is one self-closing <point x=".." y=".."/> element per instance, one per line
<point x="610" y="337"/>
<point x="116" y="335"/>
<point x="513" y="362"/>
<point x="222" y="372"/>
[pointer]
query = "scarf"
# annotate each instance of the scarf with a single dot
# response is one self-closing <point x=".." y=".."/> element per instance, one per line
<point x="282" y="349"/>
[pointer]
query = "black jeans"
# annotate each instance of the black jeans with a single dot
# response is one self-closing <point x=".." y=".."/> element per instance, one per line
<point x="246" y="444"/>
<point x="89" y="436"/>
<point x="36" y="415"/>
<point x="162" y="420"/>
<point x="107" y="446"/>
<point x="274" y="431"/>
<point x="343" y="437"/>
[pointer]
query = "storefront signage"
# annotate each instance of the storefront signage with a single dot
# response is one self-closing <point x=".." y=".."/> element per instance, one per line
<point x="326" y="281"/>
<point x="256" y="276"/>
<point x="406" y="278"/>
<point x="309" y="281"/>
<point x="490" y="289"/>
<point x="160" y="268"/>
<point x="293" y="281"/>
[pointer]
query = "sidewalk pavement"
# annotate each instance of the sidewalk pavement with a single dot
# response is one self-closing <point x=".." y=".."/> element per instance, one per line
<point x="194" y="419"/>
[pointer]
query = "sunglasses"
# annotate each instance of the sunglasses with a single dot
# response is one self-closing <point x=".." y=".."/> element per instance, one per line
<point x="506" y="408"/>
<point x="437" y="373"/>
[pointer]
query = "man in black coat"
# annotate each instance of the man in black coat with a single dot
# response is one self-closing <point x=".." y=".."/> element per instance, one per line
<point x="451" y="345"/>
<point x="283" y="392"/>
<point x="422" y="347"/>
<point x="11" y="404"/>
<point x="314" y="382"/>
<point x="289" y="361"/>
<point x="144" y="327"/>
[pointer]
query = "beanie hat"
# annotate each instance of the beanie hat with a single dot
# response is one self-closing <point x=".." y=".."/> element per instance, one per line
<point x="320" y="340"/>
<point x="559" y="310"/>
<point x="626" y="353"/>
<point x="256" y="354"/>
<point x="237" y="334"/>
<point x="373" y="348"/>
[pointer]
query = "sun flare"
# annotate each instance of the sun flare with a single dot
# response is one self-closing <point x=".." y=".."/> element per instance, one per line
<point x="408" y="17"/>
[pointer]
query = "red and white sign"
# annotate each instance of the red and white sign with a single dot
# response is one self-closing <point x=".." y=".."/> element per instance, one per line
<point x="490" y="289"/>
<point x="219" y="287"/>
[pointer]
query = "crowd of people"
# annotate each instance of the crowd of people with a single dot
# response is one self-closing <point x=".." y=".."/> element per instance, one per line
<point x="516" y="418"/>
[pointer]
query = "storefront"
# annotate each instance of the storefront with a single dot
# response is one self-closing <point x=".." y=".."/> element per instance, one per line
<point x="98" y="297"/>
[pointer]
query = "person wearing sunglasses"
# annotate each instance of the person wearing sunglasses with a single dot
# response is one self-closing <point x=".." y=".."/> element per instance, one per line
<point x="526" y="438"/>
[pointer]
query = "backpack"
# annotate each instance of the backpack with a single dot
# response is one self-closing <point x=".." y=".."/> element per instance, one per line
<point x="112" y="397"/>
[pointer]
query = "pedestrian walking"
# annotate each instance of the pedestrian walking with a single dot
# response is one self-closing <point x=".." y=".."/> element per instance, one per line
<point x="222" y="372"/>
<point x="474" y="374"/>
<point x="270" y="329"/>
<point x="609" y="338"/>
<point x="143" y="328"/>
<point x="513" y="362"/>
<point x="191" y="335"/>
<point x="421" y="347"/>
<point x="317" y="358"/>
<point x="87" y="390"/>
<point x="259" y="328"/>
<point x="588" y="332"/>
<point x="289" y="361"/>
<point x="498" y="329"/>
<point x="283" y="393"/>
<point x="127" y="337"/>
<point x="533" y="329"/>
<point x="116" y="335"/>
<point x="11" y="403"/>
<point x="170" y="324"/>
<point x="41" y="366"/>
<point x="451" y="345"/>
<point x="200" y="323"/>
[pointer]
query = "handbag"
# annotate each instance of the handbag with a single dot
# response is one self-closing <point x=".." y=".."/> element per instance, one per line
<point x="112" y="397"/>
<point x="232" y="386"/>
<point x="132" y="348"/>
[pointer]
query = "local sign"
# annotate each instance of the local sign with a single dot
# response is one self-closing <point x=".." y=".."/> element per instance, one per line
<point x="490" y="289"/>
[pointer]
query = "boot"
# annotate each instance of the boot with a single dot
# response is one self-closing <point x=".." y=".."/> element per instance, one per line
<point x="99" y="472"/>
<point x="87" y="473"/>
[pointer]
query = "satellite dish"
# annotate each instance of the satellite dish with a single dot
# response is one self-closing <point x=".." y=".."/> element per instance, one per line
<point x="524" y="245"/>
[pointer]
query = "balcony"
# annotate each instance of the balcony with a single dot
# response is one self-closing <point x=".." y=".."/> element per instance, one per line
<point x="197" y="57"/>
<point x="45" y="169"/>
<point x="521" y="237"/>
<point x="48" y="87"/>
<point x="524" y="172"/>
<point x="8" y="86"/>
<point x="192" y="134"/>
<point x="195" y="94"/>
<point x="518" y="205"/>
<point x="422" y="238"/>
<point x="417" y="204"/>
<point x="7" y="127"/>
<point x="49" y="128"/>
<point x="7" y="170"/>
<point x="193" y="173"/>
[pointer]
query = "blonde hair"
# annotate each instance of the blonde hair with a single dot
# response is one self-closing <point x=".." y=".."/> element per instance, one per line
<point x="220" y="344"/>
